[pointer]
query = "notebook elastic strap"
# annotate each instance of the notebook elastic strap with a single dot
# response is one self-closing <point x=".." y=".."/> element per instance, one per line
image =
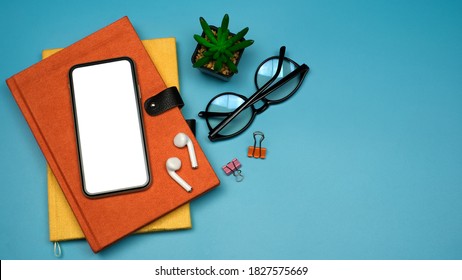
<point x="163" y="101"/>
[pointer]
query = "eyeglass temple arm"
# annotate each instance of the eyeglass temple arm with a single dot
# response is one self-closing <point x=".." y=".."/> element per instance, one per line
<point x="301" y="69"/>
<point x="205" y="114"/>
<point x="251" y="100"/>
<point x="257" y="95"/>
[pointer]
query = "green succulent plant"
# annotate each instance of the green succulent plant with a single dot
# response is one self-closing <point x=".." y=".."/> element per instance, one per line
<point x="220" y="46"/>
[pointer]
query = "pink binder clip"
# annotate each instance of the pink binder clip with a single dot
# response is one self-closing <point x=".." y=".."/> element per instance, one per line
<point x="232" y="167"/>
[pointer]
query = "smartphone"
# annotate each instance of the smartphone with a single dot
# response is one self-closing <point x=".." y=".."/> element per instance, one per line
<point x="109" y="127"/>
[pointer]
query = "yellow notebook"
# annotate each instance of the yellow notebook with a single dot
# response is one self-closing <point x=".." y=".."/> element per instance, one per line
<point x="62" y="222"/>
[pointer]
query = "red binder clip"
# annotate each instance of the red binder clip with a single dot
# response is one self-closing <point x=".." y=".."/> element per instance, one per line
<point x="257" y="152"/>
<point x="232" y="167"/>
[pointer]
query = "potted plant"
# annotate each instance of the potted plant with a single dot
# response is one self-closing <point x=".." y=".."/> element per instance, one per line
<point x="218" y="50"/>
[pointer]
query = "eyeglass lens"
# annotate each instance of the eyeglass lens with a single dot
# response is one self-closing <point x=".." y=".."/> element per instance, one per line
<point x="268" y="69"/>
<point x="227" y="103"/>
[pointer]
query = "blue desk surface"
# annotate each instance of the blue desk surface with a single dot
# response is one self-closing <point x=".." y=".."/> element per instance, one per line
<point x="364" y="162"/>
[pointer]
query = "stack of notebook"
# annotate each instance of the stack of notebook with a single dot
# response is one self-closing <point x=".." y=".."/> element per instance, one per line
<point x="62" y="222"/>
<point x="43" y="96"/>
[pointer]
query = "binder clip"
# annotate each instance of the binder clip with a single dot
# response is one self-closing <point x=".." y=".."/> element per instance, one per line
<point x="232" y="167"/>
<point x="257" y="152"/>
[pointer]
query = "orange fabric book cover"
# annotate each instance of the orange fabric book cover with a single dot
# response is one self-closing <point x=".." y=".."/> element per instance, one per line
<point x="42" y="93"/>
<point x="62" y="223"/>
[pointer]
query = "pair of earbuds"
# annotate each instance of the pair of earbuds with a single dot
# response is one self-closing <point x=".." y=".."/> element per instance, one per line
<point x="173" y="164"/>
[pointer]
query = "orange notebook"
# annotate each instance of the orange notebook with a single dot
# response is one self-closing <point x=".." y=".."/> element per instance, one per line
<point x="42" y="93"/>
<point x="62" y="223"/>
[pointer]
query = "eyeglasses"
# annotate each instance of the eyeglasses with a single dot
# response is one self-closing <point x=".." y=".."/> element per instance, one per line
<point x="277" y="78"/>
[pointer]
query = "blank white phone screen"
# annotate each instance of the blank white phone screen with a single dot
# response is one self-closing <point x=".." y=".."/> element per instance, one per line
<point x="109" y="128"/>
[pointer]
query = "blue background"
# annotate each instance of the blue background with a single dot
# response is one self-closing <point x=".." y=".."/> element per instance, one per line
<point x="364" y="162"/>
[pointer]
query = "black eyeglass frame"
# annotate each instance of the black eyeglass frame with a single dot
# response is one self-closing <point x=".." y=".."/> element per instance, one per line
<point x="259" y="95"/>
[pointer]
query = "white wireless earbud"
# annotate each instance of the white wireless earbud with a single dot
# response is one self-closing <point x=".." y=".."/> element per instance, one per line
<point x="181" y="140"/>
<point x="174" y="164"/>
